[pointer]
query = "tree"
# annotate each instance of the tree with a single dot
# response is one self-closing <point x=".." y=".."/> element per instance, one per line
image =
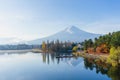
<point x="44" y="46"/>
<point x="115" y="41"/>
<point x="114" y="56"/>
<point x="90" y="43"/>
<point x="57" y="46"/>
<point x="103" y="43"/>
<point x="75" y="48"/>
<point x="85" y="44"/>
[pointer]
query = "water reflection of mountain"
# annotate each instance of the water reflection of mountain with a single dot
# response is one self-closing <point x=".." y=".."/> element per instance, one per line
<point x="75" y="61"/>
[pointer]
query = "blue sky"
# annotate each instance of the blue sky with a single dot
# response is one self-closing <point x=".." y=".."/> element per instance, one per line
<point x="30" y="19"/>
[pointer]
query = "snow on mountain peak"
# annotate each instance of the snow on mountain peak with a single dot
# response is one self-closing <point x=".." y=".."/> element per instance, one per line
<point x="71" y="29"/>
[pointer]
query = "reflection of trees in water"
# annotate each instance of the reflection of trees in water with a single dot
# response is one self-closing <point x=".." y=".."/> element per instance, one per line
<point x="88" y="65"/>
<point x="44" y="57"/>
<point x="112" y="72"/>
<point x="51" y="57"/>
<point x="100" y="67"/>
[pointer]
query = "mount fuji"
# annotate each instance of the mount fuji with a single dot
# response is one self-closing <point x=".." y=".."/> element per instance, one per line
<point x="72" y="34"/>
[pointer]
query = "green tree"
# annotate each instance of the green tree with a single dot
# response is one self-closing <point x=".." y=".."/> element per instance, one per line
<point x="115" y="41"/>
<point x="85" y="44"/>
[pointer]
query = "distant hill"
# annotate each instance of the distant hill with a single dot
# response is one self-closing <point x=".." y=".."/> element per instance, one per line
<point x="72" y="33"/>
<point x="12" y="40"/>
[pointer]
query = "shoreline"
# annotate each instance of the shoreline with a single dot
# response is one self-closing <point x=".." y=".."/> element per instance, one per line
<point x="21" y="51"/>
<point x="15" y="51"/>
<point x="96" y="57"/>
<point x="102" y="57"/>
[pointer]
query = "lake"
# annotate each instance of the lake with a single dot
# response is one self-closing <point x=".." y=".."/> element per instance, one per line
<point x="41" y="66"/>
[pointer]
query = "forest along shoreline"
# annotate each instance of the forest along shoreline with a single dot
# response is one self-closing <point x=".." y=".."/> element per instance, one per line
<point x="105" y="49"/>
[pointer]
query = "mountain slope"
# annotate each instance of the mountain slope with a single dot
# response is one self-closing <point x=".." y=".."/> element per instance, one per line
<point x="72" y="33"/>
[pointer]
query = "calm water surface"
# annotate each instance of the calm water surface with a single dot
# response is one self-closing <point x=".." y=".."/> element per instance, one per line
<point x="38" y="66"/>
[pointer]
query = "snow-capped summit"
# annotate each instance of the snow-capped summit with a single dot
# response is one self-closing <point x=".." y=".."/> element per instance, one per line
<point x="71" y="33"/>
<point x="71" y="29"/>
